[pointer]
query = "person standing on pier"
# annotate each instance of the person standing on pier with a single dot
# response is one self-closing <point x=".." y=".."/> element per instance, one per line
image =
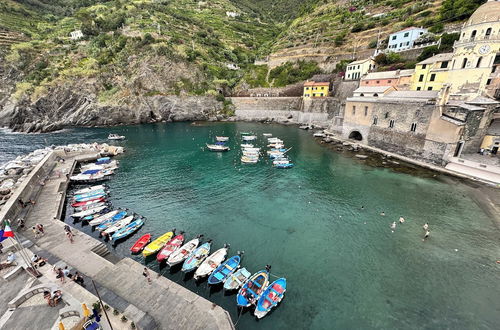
<point x="146" y="274"/>
<point x="35" y="231"/>
<point x="40" y="228"/>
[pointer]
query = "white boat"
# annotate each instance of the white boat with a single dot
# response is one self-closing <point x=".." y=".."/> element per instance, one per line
<point x="88" y="212"/>
<point x="217" y="147"/>
<point x="246" y="145"/>
<point x="183" y="252"/>
<point x="267" y="134"/>
<point x="274" y="140"/>
<point x="94" y="177"/>
<point x="281" y="161"/>
<point x="222" y="138"/>
<point x="119" y="225"/>
<point x="276" y="145"/>
<point x="102" y="218"/>
<point x="251" y="149"/>
<point x="113" y="165"/>
<point x="249" y="160"/>
<point x="96" y="204"/>
<point x="319" y="134"/>
<point x="249" y="137"/>
<point x="305" y="127"/>
<point x="116" y="137"/>
<point x="89" y="189"/>
<point x="211" y="263"/>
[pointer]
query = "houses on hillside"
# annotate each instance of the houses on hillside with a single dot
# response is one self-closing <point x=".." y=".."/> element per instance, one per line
<point x="404" y="39"/>
<point x="447" y="106"/>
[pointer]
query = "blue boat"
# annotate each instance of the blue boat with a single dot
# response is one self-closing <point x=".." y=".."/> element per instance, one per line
<point x="288" y="165"/>
<point x="103" y="160"/>
<point x="109" y="222"/>
<point x="90" y="197"/>
<point x="127" y="230"/>
<point x="92" y="193"/>
<point x="196" y="257"/>
<point x="90" y="172"/>
<point x="224" y="270"/>
<point x="253" y="289"/>
<point x="271" y="297"/>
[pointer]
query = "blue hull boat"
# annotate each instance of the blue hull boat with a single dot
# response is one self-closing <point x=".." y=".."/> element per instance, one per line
<point x="224" y="270"/>
<point x="289" y="165"/>
<point x="90" y="197"/>
<point x="92" y="193"/>
<point x="271" y="297"/>
<point x="109" y="222"/>
<point x="128" y="230"/>
<point x="196" y="258"/>
<point x="103" y="160"/>
<point x="253" y="289"/>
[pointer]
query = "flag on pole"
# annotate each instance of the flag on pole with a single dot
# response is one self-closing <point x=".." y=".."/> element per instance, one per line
<point x="1" y="236"/>
<point x="7" y="231"/>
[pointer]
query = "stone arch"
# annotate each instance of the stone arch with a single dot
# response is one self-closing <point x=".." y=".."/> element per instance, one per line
<point x="356" y="135"/>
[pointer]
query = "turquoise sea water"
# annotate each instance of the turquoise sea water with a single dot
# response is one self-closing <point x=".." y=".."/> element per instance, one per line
<point x="318" y="225"/>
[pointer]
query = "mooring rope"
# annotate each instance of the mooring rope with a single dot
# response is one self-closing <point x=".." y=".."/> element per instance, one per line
<point x="238" y="320"/>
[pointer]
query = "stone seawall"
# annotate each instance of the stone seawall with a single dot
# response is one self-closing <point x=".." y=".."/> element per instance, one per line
<point x="286" y="109"/>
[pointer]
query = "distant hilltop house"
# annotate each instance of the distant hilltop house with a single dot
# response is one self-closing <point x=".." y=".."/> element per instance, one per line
<point x="232" y="14"/>
<point x="316" y="89"/>
<point x="232" y="66"/>
<point x="404" y="39"/>
<point x="355" y="70"/>
<point x="76" y="35"/>
<point x="399" y="79"/>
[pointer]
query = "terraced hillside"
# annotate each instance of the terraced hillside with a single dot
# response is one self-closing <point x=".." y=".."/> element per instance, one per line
<point x="338" y="30"/>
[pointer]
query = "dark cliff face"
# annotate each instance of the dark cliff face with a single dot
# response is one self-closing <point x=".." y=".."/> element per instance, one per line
<point x="64" y="107"/>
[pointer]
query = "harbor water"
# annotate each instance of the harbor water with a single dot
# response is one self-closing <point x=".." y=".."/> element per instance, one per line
<point x="318" y="224"/>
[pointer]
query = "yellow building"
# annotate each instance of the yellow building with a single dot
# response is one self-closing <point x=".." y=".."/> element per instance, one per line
<point x="316" y="89"/>
<point x="432" y="73"/>
<point x="475" y="65"/>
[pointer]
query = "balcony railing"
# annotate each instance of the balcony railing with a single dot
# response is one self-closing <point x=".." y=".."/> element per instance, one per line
<point x="478" y="38"/>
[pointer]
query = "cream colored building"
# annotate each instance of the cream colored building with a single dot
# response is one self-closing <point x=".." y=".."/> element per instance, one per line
<point x="355" y="70"/>
<point x="475" y="67"/>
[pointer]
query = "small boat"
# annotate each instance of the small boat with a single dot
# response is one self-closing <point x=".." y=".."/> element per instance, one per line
<point x="89" y="218"/>
<point x="222" y="138"/>
<point x="252" y="289"/>
<point x="183" y="252"/>
<point x="211" y="263"/>
<point x="236" y="280"/>
<point x="267" y="134"/>
<point x="90" y="197"/>
<point x="196" y="257"/>
<point x="103" y="160"/>
<point x="221" y="273"/>
<point x="117" y="225"/>
<point x="89" y="167"/>
<point x="274" y="140"/>
<point x="88" y="202"/>
<point x="249" y="160"/>
<point x="92" y="193"/>
<point x="217" y="147"/>
<point x="107" y="223"/>
<point x="90" y="189"/>
<point x="306" y="127"/>
<point x="270" y="298"/>
<point x="93" y="176"/>
<point x="157" y="244"/>
<point x="281" y="161"/>
<point x="90" y="206"/>
<point x="249" y="137"/>
<point x="287" y="165"/>
<point x="113" y="214"/>
<point x="169" y="248"/>
<point x="246" y="133"/>
<point x="88" y="212"/>
<point x="246" y="145"/>
<point x="115" y="137"/>
<point x="319" y="134"/>
<point x="141" y="243"/>
<point x="128" y="229"/>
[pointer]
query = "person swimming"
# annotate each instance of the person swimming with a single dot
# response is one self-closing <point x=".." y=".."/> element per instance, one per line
<point x="401" y="219"/>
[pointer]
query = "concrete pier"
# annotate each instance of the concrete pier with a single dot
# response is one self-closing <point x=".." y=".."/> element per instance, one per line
<point x="161" y="305"/>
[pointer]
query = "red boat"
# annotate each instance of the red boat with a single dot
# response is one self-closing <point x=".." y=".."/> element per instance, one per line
<point x="93" y="201"/>
<point x="141" y="243"/>
<point x="170" y="247"/>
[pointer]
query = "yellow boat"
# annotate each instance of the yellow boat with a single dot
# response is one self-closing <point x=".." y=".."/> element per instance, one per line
<point x="157" y="244"/>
